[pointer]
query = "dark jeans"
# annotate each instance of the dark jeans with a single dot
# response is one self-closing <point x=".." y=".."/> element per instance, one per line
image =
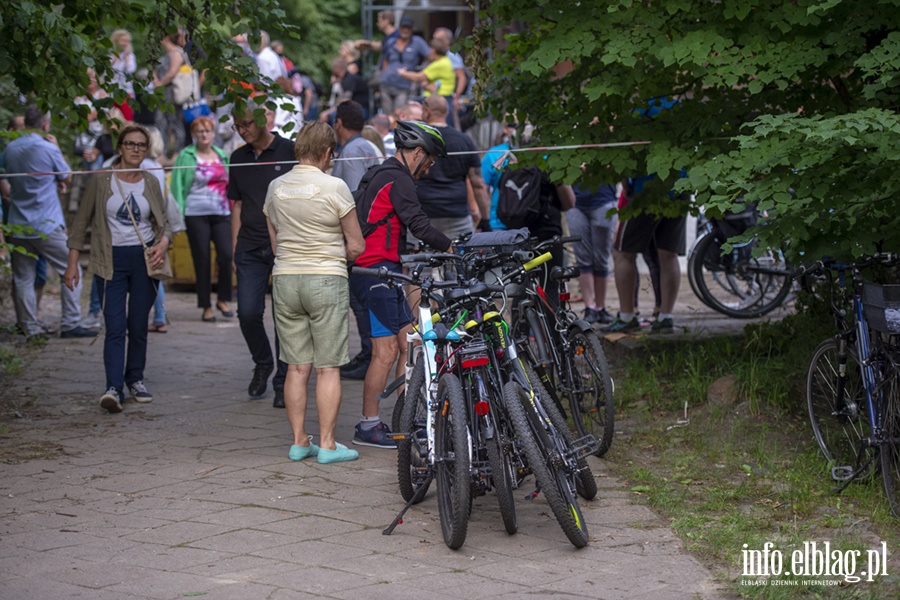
<point x="126" y="308"/>
<point x="253" y="271"/>
<point x="200" y="231"/>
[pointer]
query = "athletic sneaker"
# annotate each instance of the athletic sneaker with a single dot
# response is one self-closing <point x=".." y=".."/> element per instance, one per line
<point x="620" y="326"/>
<point x="111" y="401"/>
<point x="139" y="392"/>
<point x="604" y="317"/>
<point x="91" y="321"/>
<point x="591" y="315"/>
<point x="377" y="437"/>
<point x="662" y="326"/>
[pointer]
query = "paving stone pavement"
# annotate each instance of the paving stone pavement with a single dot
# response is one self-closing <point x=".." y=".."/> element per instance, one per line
<point x="193" y="495"/>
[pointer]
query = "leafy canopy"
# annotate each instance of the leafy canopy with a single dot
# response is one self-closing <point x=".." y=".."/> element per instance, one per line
<point x="789" y="104"/>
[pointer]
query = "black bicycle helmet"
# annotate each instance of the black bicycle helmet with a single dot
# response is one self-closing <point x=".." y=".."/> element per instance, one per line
<point x="416" y="134"/>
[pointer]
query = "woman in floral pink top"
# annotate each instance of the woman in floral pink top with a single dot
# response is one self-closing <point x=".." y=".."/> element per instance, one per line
<point x="199" y="184"/>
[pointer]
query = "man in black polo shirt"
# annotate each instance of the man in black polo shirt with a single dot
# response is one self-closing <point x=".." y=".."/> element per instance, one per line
<point x="253" y="256"/>
<point x="442" y="191"/>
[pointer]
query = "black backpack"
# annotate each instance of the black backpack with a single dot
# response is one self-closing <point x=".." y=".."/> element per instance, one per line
<point x="520" y="197"/>
<point x="363" y="207"/>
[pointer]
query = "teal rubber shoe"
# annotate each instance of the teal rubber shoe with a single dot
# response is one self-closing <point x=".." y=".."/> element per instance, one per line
<point x="340" y="454"/>
<point x="301" y="452"/>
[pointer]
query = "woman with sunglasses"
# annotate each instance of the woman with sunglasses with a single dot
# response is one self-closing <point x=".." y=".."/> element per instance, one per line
<point x="125" y="209"/>
<point x="199" y="186"/>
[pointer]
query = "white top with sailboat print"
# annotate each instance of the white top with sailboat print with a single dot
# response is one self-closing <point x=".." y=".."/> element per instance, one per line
<point x="120" y="225"/>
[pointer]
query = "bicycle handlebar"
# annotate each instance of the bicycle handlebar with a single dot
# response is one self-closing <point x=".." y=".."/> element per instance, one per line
<point x="385" y="274"/>
<point x="886" y="258"/>
<point x="558" y="240"/>
<point x="429" y="257"/>
<point x="536" y="262"/>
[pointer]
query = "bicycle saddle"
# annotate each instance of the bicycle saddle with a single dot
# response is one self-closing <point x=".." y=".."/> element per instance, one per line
<point x="564" y="273"/>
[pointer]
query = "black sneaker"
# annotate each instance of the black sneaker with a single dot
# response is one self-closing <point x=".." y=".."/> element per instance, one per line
<point x="662" y="326"/>
<point x="257" y="387"/>
<point x="78" y="332"/>
<point x="278" y="402"/>
<point x="604" y="317"/>
<point x="139" y="392"/>
<point x="356" y="368"/>
<point x="591" y="315"/>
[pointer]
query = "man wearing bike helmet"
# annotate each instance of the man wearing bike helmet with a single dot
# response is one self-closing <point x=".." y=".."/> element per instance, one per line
<point x="388" y="208"/>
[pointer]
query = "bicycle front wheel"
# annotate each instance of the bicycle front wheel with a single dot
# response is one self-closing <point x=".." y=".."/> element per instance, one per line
<point x="890" y="444"/>
<point x="412" y="452"/>
<point x="590" y="390"/>
<point x="837" y="409"/>
<point x="585" y="484"/>
<point x="554" y="484"/>
<point x="451" y="455"/>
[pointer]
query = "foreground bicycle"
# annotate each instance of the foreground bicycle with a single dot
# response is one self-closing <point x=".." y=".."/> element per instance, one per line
<point x="852" y="387"/>
<point x="436" y="439"/>
<point x="556" y="459"/>
<point x="566" y="353"/>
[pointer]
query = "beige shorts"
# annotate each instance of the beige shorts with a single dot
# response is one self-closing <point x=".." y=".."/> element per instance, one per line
<point x="312" y="318"/>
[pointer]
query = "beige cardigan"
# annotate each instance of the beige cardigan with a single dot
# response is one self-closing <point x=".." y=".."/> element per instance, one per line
<point x="92" y="212"/>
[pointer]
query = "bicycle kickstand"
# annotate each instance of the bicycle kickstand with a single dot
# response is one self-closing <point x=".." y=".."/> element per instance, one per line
<point x="852" y="477"/>
<point x="416" y="497"/>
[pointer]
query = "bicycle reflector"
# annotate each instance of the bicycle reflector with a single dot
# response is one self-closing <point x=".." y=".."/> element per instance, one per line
<point x="482" y="408"/>
<point x="478" y="361"/>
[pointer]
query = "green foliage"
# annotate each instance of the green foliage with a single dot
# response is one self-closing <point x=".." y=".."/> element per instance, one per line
<point x="49" y="47"/>
<point x="792" y="104"/>
<point x="320" y="27"/>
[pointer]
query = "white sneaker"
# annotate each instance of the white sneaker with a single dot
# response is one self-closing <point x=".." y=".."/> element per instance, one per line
<point x="139" y="392"/>
<point x="110" y="401"/>
<point x="91" y="321"/>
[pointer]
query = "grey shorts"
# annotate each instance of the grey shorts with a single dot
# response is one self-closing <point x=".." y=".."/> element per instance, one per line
<point x="597" y="233"/>
<point x="311" y="315"/>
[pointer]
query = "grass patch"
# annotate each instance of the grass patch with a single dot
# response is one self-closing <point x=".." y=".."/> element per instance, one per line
<point x="10" y="362"/>
<point x="745" y="469"/>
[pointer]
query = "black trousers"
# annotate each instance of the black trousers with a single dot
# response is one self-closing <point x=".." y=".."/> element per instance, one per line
<point x="201" y="231"/>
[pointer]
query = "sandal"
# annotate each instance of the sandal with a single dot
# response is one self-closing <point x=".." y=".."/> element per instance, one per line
<point x="158" y="328"/>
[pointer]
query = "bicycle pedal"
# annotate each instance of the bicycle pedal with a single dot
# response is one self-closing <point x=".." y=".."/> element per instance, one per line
<point x="585" y="446"/>
<point x="842" y="473"/>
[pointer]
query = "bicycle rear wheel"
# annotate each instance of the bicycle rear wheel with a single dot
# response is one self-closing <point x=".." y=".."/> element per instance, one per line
<point x="412" y="452"/>
<point x="554" y="484"/>
<point x="591" y="390"/>
<point x="890" y="445"/>
<point x="837" y="410"/>
<point x="451" y="456"/>
<point x="741" y="285"/>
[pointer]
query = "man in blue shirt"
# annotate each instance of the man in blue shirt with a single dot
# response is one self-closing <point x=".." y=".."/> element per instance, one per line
<point x="406" y="51"/>
<point x="35" y="208"/>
